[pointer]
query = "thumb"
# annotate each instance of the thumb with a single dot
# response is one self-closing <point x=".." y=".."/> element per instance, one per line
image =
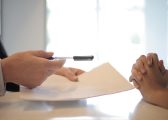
<point x="43" y="54"/>
<point x="162" y="67"/>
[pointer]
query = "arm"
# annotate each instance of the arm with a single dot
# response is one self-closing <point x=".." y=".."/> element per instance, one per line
<point x="163" y="98"/>
<point x="151" y="83"/>
<point x="29" y="68"/>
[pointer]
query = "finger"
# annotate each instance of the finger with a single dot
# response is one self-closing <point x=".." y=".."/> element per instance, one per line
<point x="149" y="59"/>
<point x="55" y="64"/>
<point x="134" y="66"/>
<point x="137" y="75"/>
<point x="76" y="71"/>
<point x="137" y="86"/>
<point x="135" y="83"/>
<point x="162" y="67"/>
<point x="67" y="73"/>
<point x="140" y="64"/>
<point x="43" y="54"/>
<point x="155" y="59"/>
<point x="71" y="76"/>
<point x="79" y="72"/>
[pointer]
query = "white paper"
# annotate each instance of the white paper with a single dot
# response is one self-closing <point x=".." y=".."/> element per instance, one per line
<point x="102" y="80"/>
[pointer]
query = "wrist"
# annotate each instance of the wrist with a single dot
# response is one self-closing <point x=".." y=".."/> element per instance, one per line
<point x="5" y="70"/>
<point x="162" y="98"/>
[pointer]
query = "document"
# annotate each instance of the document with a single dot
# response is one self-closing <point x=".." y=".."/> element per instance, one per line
<point x="102" y="80"/>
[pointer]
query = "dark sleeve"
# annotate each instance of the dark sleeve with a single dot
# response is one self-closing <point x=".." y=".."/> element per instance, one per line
<point x="9" y="86"/>
<point x="3" y="53"/>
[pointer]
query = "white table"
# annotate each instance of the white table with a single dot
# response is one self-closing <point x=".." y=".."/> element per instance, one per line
<point x="120" y="106"/>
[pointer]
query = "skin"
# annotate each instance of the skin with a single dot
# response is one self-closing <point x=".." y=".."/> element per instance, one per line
<point x="71" y="73"/>
<point x="31" y="68"/>
<point x="150" y="77"/>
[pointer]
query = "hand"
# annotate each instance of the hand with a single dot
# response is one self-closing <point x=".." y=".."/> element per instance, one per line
<point x="138" y="70"/>
<point x="150" y="77"/>
<point x="29" y="68"/>
<point x="70" y="73"/>
<point x="150" y="60"/>
<point x="164" y="73"/>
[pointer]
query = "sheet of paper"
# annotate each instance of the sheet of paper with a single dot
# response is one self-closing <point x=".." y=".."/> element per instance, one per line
<point x="102" y="80"/>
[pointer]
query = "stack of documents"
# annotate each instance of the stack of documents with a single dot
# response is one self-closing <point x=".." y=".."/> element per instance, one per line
<point x="102" y="80"/>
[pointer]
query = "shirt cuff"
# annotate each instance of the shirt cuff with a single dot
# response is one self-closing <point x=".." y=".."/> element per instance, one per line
<point x="2" y="83"/>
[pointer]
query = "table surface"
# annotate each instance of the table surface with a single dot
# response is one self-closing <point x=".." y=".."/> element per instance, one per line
<point x="120" y="106"/>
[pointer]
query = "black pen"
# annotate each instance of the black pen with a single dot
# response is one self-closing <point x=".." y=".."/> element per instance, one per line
<point x="75" y="58"/>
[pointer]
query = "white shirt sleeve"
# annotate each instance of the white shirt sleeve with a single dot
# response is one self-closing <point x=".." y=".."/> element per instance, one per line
<point x="2" y="83"/>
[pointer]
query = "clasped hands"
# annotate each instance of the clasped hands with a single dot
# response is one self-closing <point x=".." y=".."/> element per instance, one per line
<point x="151" y="68"/>
<point x="151" y="78"/>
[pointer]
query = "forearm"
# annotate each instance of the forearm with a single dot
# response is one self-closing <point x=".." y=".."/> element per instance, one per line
<point x="161" y="98"/>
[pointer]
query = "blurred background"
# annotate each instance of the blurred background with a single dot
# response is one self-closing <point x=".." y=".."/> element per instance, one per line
<point x="115" y="31"/>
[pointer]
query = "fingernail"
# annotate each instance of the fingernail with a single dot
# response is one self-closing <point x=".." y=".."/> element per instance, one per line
<point x="149" y="62"/>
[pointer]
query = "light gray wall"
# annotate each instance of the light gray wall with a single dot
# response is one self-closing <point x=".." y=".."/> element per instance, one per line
<point x="156" y="27"/>
<point x="23" y="25"/>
